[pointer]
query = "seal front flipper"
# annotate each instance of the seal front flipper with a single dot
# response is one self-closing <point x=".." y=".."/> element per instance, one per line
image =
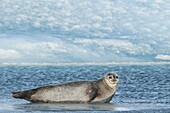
<point x="92" y="92"/>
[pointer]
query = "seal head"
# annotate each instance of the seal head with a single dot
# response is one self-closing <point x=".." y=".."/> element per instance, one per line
<point x="111" y="80"/>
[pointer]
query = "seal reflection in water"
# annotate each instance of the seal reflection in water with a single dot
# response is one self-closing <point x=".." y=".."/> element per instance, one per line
<point x="98" y="91"/>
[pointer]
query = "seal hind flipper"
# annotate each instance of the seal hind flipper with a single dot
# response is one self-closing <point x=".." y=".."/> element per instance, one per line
<point x="24" y="94"/>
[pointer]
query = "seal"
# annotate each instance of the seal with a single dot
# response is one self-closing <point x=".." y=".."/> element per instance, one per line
<point x="97" y="91"/>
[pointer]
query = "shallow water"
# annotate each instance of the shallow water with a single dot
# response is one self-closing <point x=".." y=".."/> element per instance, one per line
<point x="143" y="88"/>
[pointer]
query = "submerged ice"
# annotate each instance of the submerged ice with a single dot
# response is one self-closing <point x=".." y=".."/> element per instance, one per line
<point x="84" y="30"/>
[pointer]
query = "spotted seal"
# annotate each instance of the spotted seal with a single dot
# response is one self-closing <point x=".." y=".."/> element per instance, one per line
<point x="97" y="91"/>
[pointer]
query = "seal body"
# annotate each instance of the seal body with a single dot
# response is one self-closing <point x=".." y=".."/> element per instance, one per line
<point x="74" y="92"/>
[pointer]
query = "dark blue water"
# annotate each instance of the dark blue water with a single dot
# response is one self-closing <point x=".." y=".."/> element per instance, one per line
<point x="143" y="88"/>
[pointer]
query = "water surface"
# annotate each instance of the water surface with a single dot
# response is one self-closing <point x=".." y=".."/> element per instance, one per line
<point x="141" y="88"/>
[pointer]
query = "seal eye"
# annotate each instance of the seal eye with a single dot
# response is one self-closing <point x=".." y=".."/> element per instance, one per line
<point x="110" y="77"/>
<point x="116" y="77"/>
